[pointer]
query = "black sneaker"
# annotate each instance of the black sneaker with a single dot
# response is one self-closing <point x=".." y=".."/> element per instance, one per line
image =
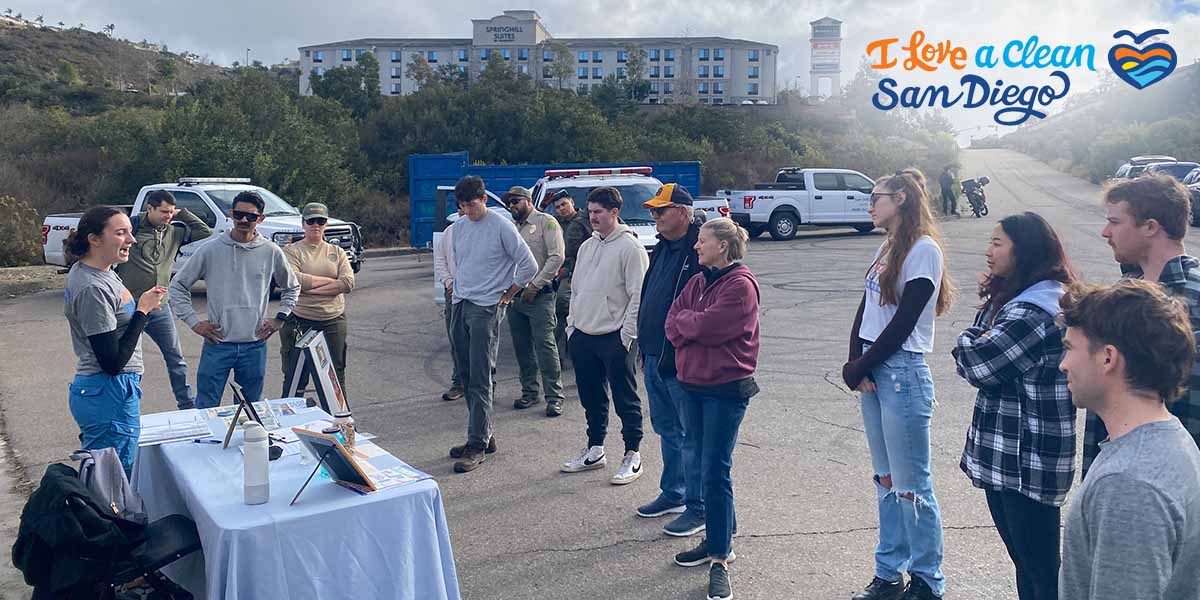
<point x="698" y="556"/>
<point x="718" y="583"/>
<point x="554" y="408"/>
<point x="919" y="590"/>
<point x="522" y="403"/>
<point x="459" y="451"/>
<point x="454" y="393"/>
<point x="882" y="589"/>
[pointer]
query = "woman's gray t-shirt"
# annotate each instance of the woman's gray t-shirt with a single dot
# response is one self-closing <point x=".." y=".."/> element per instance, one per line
<point x="95" y="302"/>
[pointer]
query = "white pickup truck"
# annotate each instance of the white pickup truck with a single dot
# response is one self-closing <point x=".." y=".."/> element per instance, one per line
<point x="636" y="187"/>
<point x="820" y="197"/>
<point x="210" y="199"/>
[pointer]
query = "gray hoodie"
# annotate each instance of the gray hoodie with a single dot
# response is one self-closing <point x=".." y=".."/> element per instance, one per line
<point x="239" y="278"/>
<point x="606" y="287"/>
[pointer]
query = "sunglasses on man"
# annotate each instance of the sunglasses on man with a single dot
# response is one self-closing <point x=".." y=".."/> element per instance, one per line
<point x="241" y="215"/>
<point x="315" y="221"/>
<point x="514" y="200"/>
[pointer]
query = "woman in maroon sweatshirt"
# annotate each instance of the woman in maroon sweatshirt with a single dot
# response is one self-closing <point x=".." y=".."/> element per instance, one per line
<point x="713" y="325"/>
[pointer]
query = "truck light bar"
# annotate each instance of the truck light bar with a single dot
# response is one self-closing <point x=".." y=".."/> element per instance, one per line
<point x="195" y="180"/>
<point x="558" y="173"/>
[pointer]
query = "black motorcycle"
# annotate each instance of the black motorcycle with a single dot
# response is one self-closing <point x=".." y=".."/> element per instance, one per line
<point x="973" y="190"/>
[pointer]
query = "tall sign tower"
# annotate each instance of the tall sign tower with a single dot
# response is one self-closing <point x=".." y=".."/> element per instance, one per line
<point x="826" y="57"/>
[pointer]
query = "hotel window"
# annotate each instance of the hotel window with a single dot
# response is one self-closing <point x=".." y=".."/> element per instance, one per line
<point x="718" y="71"/>
<point x="654" y="101"/>
<point x="669" y="54"/>
<point x="622" y="73"/>
<point x="667" y="87"/>
<point x="396" y="57"/>
<point x="718" y="54"/>
<point x="752" y="55"/>
<point x="546" y="73"/>
<point x="523" y="54"/>
<point x="583" y="56"/>
<point x="581" y="73"/>
<point x="395" y="88"/>
<point x="318" y="71"/>
<point x="359" y="52"/>
<point x="547" y="56"/>
<point x="307" y="53"/>
<point x="462" y="68"/>
<point x="462" y="55"/>
<point x="718" y="101"/>
<point x="582" y="89"/>
<point x="506" y="53"/>
<point x="702" y="87"/>
<point x="654" y="54"/>
<point x="523" y="69"/>
<point x="431" y="56"/>
<point x="397" y="72"/>
<point x="668" y="71"/>
<point x="704" y="54"/>
<point x="654" y="71"/>
<point x="597" y="56"/>
<point x="319" y="56"/>
<point x="597" y="72"/>
<point x="483" y="54"/>
<point x="754" y="71"/>
<point x="718" y="87"/>
<point x="622" y="56"/>
<point x="654" y="86"/>
<point x="704" y="101"/>
<point x="347" y="54"/>
<point x="752" y="89"/>
<point x="702" y="71"/>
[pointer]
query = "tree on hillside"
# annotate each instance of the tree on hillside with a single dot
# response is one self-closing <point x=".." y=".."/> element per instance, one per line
<point x="636" y="86"/>
<point x="167" y="71"/>
<point x="356" y="88"/>
<point x="562" y="67"/>
<point x="8" y="12"/>
<point x="61" y="25"/>
<point x="109" y="29"/>
<point x="40" y="20"/>
<point x="420" y="71"/>
<point x="612" y="98"/>
<point x="67" y="74"/>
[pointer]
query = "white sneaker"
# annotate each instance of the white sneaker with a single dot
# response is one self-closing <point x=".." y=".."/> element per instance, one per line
<point x="631" y="469"/>
<point x="588" y="460"/>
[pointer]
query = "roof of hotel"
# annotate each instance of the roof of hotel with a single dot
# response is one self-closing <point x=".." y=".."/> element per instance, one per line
<point x="614" y="41"/>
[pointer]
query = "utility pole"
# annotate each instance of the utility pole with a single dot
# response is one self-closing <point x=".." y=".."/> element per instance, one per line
<point x="247" y="57"/>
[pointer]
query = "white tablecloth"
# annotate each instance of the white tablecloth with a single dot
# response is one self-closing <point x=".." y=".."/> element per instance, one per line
<point x="333" y="543"/>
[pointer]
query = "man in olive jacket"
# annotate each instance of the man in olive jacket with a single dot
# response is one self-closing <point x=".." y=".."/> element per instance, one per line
<point x="150" y="263"/>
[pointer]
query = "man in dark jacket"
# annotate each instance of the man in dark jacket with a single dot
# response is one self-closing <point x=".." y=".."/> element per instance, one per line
<point x="672" y="262"/>
<point x="949" y="198"/>
<point x="576" y="230"/>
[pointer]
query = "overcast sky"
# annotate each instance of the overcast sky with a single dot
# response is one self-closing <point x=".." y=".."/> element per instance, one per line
<point x="273" y="29"/>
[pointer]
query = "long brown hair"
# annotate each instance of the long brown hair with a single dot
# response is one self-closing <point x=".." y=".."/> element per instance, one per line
<point x="1038" y="256"/>
<point x="916" y="220"/>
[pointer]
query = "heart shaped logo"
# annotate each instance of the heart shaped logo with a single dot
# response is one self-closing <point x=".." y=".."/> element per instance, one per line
<point x="1144" y="66"/>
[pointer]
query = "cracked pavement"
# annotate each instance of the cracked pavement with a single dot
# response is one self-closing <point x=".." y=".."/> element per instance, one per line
<point x="520" y="529"/>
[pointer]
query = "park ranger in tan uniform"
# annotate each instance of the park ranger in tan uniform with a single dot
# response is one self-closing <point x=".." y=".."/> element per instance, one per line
<point x="531" y="317"/>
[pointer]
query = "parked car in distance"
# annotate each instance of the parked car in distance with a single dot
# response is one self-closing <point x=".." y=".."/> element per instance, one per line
<point x="819" y="197"/>
<point x="1137" y="164"/>
<point x="1192" y="177"/>
<point x="1178" y="170"/>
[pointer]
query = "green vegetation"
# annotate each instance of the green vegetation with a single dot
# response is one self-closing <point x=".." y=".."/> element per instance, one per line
<point x="1104" y="127"/>
<point x="348" y="146"/>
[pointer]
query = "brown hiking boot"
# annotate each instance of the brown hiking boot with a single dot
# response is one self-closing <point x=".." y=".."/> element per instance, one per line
<point x="471" y="459"/>
<point x="459" y="451"/>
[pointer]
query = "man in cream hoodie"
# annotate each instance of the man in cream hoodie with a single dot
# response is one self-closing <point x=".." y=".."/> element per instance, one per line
<point x="237" y="269"/>
<point x="601" y="330"/>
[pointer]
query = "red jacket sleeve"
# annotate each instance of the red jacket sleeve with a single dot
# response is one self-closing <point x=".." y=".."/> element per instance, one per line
<point x="723" y="320"/>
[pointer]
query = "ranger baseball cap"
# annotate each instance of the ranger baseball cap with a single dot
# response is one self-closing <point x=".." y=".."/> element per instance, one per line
<point x="314" y="209"/>
<point x="669" y="194"/>
<point x="516" y="191"/>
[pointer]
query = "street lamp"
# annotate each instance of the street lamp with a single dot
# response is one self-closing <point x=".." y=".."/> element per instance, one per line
<point x="247" y="57"/>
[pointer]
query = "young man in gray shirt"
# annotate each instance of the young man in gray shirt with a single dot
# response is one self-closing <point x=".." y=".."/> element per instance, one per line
<point x="1133" y="528"/>
<point x="492" y="264"/>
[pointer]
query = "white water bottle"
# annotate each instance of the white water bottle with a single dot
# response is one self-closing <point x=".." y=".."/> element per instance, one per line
<point x="257" y="480"/>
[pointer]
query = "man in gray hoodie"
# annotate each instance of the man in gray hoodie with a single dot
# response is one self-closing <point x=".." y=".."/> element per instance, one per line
<point x="238" y="269"/>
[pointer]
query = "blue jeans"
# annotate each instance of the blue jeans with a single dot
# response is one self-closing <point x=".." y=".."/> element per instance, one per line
<point x="108" y="411"/>
<point x="712" y="427"/>
<point x="248" y="361"/>
<point x="896" y="419"/>
<point x="680" y="481"/>
<point x="160" y="326"/>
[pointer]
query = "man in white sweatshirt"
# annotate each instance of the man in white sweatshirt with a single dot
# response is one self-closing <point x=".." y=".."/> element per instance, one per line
<point x="601" y="330"/>
<point x="443" y="271"/>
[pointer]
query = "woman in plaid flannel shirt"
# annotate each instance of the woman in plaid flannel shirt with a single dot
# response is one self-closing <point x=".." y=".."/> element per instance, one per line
<point x="1020" y="447"/>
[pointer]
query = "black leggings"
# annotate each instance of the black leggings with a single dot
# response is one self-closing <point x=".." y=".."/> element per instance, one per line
<point x="1030" y="531"/>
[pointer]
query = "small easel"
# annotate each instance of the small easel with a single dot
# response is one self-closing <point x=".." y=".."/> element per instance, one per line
<point x="242" y="404"/>
<point x="314" y="363"/>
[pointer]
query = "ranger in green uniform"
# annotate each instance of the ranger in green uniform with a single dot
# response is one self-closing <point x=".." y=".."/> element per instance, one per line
<point x="531" y="316"/>
<point x="576" y="230"/>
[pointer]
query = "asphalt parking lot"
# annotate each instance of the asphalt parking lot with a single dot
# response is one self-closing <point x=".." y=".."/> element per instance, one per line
<point x="520" y="529"/>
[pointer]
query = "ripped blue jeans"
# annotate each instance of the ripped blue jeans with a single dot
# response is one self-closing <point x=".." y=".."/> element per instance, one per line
<point x="896" y="419"/>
